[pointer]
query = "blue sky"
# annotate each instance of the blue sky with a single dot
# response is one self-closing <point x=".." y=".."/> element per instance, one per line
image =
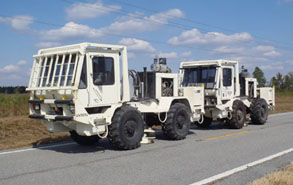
<point x="256" y="33"/>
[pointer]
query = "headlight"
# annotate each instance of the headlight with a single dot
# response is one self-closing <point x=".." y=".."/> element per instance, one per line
<point x="72" y="109"/>
<point x="180" y="92"/>
<point x="37" y="107"/>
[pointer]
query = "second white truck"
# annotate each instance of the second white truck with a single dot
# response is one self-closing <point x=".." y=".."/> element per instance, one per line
<point x="230" y="96"/>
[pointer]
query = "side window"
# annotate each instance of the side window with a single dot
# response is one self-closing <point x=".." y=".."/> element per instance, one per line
<point x="83" y="76"/>
<point x="227" y="77"/>
<point x="103" y="71"/>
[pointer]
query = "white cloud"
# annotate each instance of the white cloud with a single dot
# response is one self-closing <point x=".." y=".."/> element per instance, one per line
<point x="186" y="54"/>
<point x="78" y="11"/>
<point x="268" y="51"/>
<point x="272" y="53"/>
<point x="130" y="55"/>
<point x="194" y="36"/>
<point x="259" y="53"/>
<point x="19" y="23"/>
<point x="280" y="65"/>
<point x="169" y="55"/>
<point x="289" y="62"/>
<point x="264" y="48"/>
<point x="10" y="69"/>
<point x="137" y="45"/>
<point x="271" y="67"/>
<point x="126" y="24"/>
<point x="47" y="44"/>
<point x="135" y="23"/>
<point x="21" y="62"/>
<point x="228" y="50"/>
<point x="69" y="31"/>
<point x="254" y="59"/>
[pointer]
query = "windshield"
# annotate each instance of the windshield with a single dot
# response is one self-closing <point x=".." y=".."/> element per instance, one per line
<point x="200" y="75"/>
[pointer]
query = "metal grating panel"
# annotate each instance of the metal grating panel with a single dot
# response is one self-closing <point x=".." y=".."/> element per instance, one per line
<point x="54" y="71"/>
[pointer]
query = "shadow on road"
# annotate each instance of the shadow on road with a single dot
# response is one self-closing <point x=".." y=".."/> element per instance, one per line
<point x="101" y="146"/>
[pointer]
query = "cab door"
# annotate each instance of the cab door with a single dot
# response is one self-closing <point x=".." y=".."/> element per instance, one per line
<point x="227" y="83"/>
<point x="104" y="80"/>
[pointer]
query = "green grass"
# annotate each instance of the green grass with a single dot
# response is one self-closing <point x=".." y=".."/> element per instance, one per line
<point x="284" y="93"/>
<point x="13" y="105"/>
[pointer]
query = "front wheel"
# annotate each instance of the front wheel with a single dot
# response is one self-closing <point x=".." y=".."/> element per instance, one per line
<point x="177" y="124"/>
<point x="127" y="129"/>
<point x="238" y="115"/>
<point x="83" y="140"/>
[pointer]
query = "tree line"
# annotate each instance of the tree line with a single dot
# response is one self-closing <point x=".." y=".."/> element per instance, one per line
<point x="13" y="90"/>
<point x="280" y="81"/>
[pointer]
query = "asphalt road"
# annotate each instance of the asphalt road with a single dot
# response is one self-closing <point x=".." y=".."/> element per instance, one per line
<point x="203" y="154"/>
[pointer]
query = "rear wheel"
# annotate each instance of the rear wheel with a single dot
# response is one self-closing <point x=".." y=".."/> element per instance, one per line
<point x="177" y="124"/>
<point x="206" y="123"/>
<point x="83" y="140"/>
<point x="126" y="129"/>
<point x="238" y="115"/>
<point x="259" y="111"/>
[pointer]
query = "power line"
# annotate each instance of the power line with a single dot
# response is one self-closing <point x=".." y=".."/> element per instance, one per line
<point x="141" y="17"/>
<point x="199" y="22"/>
<point x="112" y="34"/>
<point x="105" y="33"/>
<point x="168" y="23"/>
<point x="136" y="16"/>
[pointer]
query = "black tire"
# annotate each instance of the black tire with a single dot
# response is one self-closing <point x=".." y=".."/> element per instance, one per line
<point x="238" y="115"/>
<point x="259" y="111"/>
<point x="127" y="129"/>
<point x="84" y="140"/>
<point x="177" y="124"/>
<point x="206" y="123"/>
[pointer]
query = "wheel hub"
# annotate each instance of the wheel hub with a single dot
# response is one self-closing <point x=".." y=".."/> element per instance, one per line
<point x="129" y="128"/>
<point x="180" y="121"/>
<point x="240" y="116"/>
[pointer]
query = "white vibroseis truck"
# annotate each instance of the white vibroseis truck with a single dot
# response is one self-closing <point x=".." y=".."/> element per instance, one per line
<point x="85" y="89"/>
<point x="229" y="95"/>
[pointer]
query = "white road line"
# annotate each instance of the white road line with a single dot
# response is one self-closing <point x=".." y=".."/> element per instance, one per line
<point x="31" y="149"/>
<point x="241" y="168"/>
<point x="71" y="143"/>
<point x="281" y="114"/>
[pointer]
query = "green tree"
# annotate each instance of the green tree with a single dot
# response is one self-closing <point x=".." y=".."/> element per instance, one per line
<point x="280" y="81"/>
<point x="259" y="75"/>
<point x="274" y="81"/>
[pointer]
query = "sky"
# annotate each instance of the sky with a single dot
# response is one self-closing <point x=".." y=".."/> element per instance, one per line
<point x="255" y="33"/>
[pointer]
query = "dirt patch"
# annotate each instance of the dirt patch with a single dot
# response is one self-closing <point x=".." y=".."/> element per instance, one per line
<point x="284" y="177"/>
<point x="19" y="131"/>
<point x="283" y="104"/>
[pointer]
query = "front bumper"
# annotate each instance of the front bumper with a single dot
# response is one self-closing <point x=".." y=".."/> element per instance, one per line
<point x="51" y="117"/>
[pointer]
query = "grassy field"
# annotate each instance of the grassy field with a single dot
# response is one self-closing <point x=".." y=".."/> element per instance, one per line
<point x="17" y="130"/>
<point x="284" y="102"/>
<point x="282" y="177"/>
